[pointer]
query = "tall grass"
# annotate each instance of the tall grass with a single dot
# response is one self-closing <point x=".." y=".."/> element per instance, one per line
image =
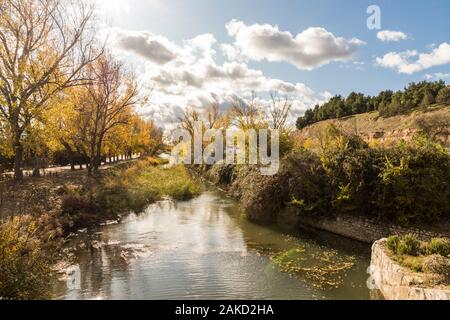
<point x="133" y="188"/>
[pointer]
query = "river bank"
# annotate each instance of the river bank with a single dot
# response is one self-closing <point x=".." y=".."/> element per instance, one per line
<point x="50" y="210"/>
<point x="356" y="191"/>
<point x="77" y="200"/>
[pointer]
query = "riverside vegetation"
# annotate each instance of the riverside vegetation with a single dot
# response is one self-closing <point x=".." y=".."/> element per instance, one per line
<point x="30" y="243"/>
<point x="432" y="257"/>
<point x="405" y="184"/>
<point x="130" y="187"/>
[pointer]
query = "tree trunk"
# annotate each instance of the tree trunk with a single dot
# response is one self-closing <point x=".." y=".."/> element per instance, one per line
<point x="90" y="167"/>
<point x="95" y="164"/>
<point x="71" y="154"/>
<point x="97" y="160"/>
<point x="72" y="160"/>
<point x="36" y="173"/>
<point x="98" y="154"/>
<point x="18" y="158"/>
<point x="92" y="157"/>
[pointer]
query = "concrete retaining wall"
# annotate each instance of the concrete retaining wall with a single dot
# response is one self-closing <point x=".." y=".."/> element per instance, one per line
<point x="398" y="283"/>
<point x="366" y="230"/>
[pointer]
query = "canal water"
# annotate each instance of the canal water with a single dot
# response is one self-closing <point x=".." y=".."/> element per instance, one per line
<point x="206" y="249"/>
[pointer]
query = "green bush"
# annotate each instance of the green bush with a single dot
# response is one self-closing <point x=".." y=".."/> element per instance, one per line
<point x="405" y="245"/>
<point x="392" y="243"/>
<point x="408" y="184"/>
<point x="24" y="270"/>
<point x="414" y="183"/>
<point x="354" y="180"/>
<point x="286" y="143"/>
<point x="443" y="96"/>
<point x="438" y="246"/>
<point x="112" y="198"/>
<point x="75" y="202"/>
<point x="428" y="257"/>
<point x="307" y="184"/>
<point x="409" y="245"/>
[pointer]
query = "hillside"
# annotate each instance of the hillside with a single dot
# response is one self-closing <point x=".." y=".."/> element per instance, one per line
<point x="435" y="121"/>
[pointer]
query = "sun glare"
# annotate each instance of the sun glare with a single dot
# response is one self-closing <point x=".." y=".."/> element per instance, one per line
<point x="114" y="6"/>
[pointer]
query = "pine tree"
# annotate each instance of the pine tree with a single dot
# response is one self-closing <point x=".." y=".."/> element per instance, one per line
<point x="443" y="96"/>
<point x="428" y="99"/>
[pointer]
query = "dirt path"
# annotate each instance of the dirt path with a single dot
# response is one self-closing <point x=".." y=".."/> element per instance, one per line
<point x="62" y="169"/>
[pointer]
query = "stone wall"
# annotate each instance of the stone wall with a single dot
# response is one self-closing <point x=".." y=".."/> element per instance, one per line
<point x="398" y="283"/>
<point x="366" y="230"/>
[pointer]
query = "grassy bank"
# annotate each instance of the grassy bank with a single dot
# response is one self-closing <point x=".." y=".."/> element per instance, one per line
<point x="30" y="241"/>
<point x="421" y="256"/>
<point x="121" y="190"/>
<point x="429" y="257"/>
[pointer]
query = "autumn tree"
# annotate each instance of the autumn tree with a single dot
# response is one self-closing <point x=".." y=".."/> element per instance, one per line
<point x="107" y="103"/>
<point x="44" y="46"/>
<point x="246" y="114"/>
<point x="210" y="116"/>
<point x="188" y="119"/>
<point x="147" y="138"/>
<point x="213" y="116"/>
<point x="279" y="111"/>
<point x="66" y="127"/>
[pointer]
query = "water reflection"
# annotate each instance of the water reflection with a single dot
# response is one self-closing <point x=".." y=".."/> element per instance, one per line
<point x="203" y="249"/>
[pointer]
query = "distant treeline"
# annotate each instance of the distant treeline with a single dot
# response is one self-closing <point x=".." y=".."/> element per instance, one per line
<point x="388" y="103"/>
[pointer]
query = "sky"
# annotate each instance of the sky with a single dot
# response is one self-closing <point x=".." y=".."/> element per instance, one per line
<point x="193" y="52"/>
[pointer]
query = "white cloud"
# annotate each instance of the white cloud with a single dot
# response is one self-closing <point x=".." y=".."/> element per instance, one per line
<point x="389" y="35"/>
<point x="230" y="52"/>
<point x="410" y="62"/>
<point x="314" y="47"/>
<point x="147" y="45"/>
<point x="187" y="75"/>
<point x="437" y="76"/>
<point x="203" y="44"/>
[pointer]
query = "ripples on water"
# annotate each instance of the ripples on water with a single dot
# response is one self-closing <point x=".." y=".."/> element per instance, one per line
<point x="203" y="249"/>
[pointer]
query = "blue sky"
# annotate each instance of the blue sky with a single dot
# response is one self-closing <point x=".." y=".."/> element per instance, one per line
<point x="426" y="25"/>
